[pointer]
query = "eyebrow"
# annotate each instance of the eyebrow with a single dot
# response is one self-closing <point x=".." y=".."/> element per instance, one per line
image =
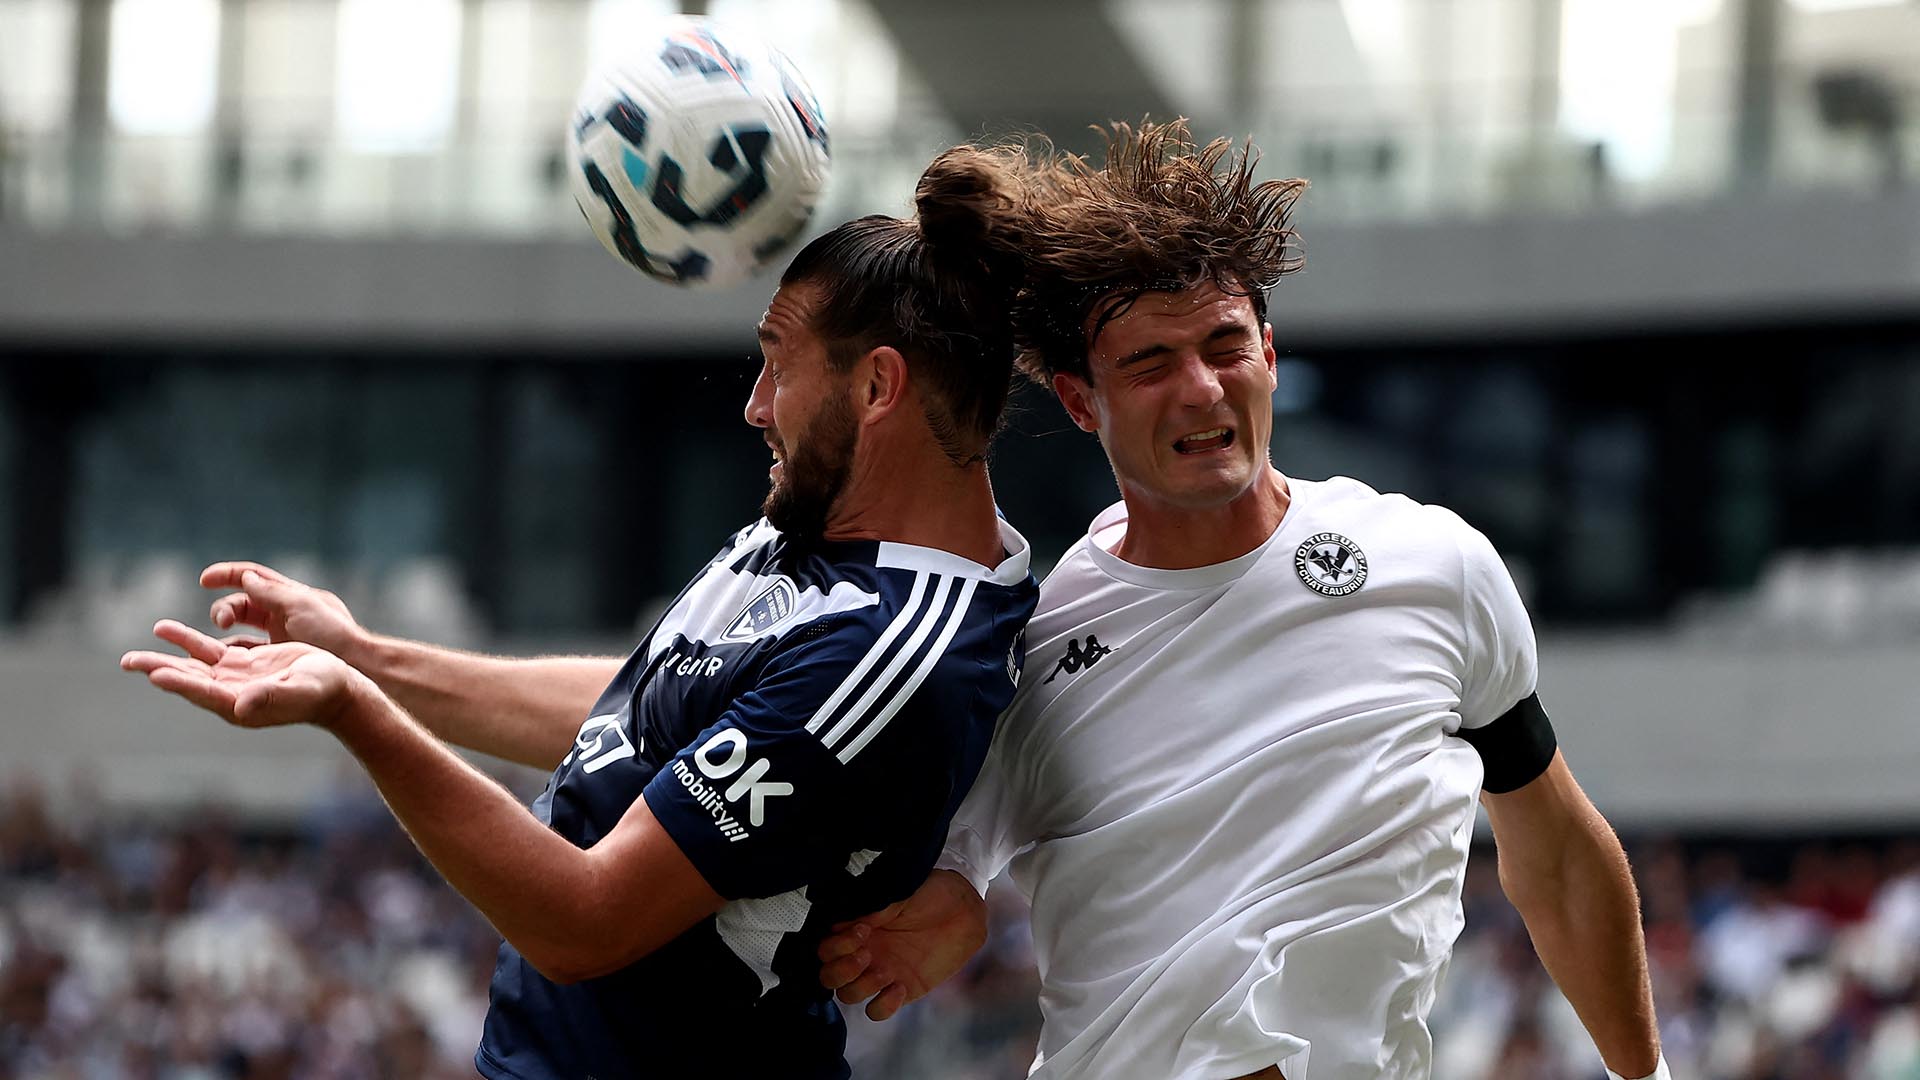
<point x="766" y="335"/>
<point x="1221" y="332"/>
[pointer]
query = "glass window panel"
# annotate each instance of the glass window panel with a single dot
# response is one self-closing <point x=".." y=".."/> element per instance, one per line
<point x="163" y="65"/>
<point x="288" y="69"/>
<point x="286" y="110"/>
<point x="36" y="64"/>
<point x="1317" y="72"/>
<point x="1705" y="104"/>
<point x="1842" y="5"/>
<point x="839" y="45"/>
<point x="1618" y="64"/>
<point x="398" y="73"/>
<point x="505" y="78"/>
<point x="1184" y="44"/>
<point x="513" y="125"/>
<point x="614" y="26"/>
<point x="1846" y="96"/>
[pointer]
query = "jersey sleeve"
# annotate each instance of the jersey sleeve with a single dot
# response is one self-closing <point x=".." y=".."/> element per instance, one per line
<point x="794" y="777"/>
<point x="1502" y="661"/>
<point x="985" y="834"/>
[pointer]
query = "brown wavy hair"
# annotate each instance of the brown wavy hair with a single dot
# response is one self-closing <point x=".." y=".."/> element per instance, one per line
<point x="1160" y="215"/>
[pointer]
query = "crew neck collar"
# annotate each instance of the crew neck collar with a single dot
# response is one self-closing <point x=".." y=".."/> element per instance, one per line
<point x="1111" y="525"/>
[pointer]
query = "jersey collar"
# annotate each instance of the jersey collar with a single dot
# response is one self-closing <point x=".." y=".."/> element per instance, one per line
<point x="1011" y="571"/>
<point x="1111" y="524"/>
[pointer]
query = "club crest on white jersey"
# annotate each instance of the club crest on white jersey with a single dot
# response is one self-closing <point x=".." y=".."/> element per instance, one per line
<point x="1330" y="564"/>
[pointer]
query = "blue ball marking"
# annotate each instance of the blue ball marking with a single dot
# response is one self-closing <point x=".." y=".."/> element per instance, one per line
<point x="635" y="166"/>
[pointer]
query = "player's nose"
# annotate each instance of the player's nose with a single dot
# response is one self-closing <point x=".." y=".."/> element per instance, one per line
<point x="1199" y="383"/>
<point x="759" y="411"/>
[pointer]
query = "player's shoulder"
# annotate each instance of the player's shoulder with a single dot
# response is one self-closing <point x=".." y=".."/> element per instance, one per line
<point x="915" y="674"/>
<point x="1344" y="495"/>
<point x="1077" y="575"/>
<point x="1343" y="504"/>
<point x="924" y="601"/>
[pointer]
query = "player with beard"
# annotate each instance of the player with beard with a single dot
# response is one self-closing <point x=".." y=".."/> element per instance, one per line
<point x="786" y="747"/>
<point x="1241" y="796"/>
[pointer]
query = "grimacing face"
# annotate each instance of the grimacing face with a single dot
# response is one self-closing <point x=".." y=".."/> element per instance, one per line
<point x="802" y="406"/>
<point x="1181" y="395"/>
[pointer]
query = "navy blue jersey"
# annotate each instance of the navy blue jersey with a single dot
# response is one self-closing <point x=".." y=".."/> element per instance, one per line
<point x="803" y="721"/>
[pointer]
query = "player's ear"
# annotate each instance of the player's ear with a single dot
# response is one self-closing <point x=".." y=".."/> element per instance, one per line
<point x="1273" y="359"/>
<point x="880" y="382"/>
<point x="1076" y="396"/>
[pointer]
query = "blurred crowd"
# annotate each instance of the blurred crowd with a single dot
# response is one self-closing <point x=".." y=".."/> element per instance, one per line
<point x="201" y="949"/>
<point x="206" y="948"/>
<point x="1771" y="960"/>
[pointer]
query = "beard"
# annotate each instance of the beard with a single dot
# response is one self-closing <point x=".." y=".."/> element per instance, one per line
<point x="814" y="471"/>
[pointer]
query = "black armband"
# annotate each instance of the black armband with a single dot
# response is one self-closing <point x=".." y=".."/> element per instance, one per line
<point x="1515" y="748"/>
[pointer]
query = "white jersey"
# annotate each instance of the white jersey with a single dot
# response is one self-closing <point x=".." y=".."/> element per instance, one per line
<point x="1234" y="796"/>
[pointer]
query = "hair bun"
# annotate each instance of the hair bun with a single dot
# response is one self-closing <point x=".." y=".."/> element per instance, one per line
<point x="968" y="208"/>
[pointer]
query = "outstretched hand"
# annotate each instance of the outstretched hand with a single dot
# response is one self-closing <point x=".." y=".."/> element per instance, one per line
<point x="258" y="686"/>
<point x="286" y="609"/>
<point x="899" y="953"/>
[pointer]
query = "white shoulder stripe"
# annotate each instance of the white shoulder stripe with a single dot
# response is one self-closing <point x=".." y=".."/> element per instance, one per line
<point x="932" y="657"/>
<point x="924" y="625"/>
<point x="874" y="654"/>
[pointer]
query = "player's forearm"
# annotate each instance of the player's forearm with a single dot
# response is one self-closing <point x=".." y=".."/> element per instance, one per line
<point x="522" y="710"/>
<point x="1584" y="917"/>
<point x="545" y="896"/>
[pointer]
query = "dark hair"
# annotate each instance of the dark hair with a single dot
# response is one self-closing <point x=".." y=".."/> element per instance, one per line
<point x="1159" y="215"/>
<point x="938" y="288"/>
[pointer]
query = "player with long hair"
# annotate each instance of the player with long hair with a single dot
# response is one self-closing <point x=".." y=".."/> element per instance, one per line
<point x="786" y="747"/>
<point x="1242" y="797"/>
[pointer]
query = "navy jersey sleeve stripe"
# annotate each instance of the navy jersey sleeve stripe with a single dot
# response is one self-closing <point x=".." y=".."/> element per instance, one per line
<point x="932" y="657"/>
<point x="924" y="624"/>
<point x="857" y="678"/>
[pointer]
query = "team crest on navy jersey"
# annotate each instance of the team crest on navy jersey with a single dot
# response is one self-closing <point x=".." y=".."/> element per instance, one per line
<point x="764" y="612"/>
<point x="1331" y="564"/>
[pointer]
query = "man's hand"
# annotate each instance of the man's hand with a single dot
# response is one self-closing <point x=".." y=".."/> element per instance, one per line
<point x="262" y="686"/>
<point x="897" y="954"/>
<point x="286" y="609"/>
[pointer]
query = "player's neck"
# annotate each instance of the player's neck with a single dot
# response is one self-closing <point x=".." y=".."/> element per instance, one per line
<point x="934" y="505"/>
<point x="1167" y="537"/>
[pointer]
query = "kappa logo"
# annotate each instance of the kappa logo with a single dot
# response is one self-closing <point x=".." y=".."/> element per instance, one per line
<point x="764" y="612"/>
<point x="1078" y="658"/>
<point x="1330" y="564"/>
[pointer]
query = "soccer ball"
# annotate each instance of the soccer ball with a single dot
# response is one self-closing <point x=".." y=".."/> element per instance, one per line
<point x="699" y="155"/>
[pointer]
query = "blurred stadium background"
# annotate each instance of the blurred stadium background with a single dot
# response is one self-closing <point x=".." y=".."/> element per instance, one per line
<point x="1632" y="284"/>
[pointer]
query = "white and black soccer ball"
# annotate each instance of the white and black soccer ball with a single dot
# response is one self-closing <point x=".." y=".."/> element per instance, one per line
<point x="699" y="155"/>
